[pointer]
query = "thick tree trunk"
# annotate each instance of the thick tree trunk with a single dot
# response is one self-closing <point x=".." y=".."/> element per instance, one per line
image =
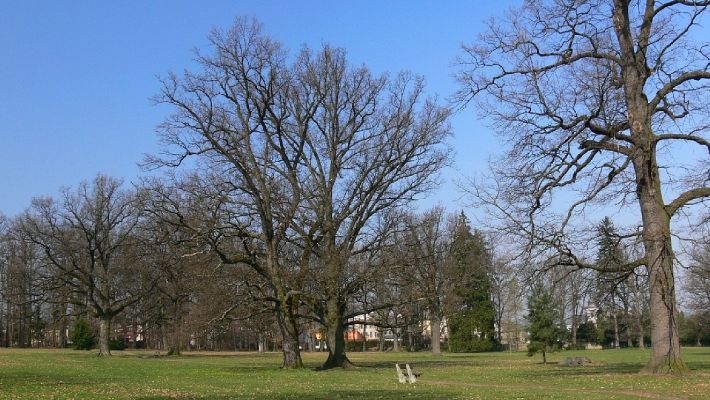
<point x="104" y="332"/>
<point x="436" y="336"/>
<point x="175" y="345"/>
<point x="665" y="354"/>
<point x="395" y="345"/>
<point x="335" y="335"/>
<point x="164" y="342"/>
<point x="665" y="344"/>
<point x="289" y="340"/>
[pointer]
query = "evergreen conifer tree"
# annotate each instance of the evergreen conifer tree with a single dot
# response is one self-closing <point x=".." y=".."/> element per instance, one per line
<point x="545" y="334"/>
<point x="471" y="326"/>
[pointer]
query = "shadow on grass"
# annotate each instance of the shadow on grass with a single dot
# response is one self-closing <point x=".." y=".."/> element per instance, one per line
<point x="49" y="379"/>
<point x="336" y="394"/>
<point x="551" y="368"/>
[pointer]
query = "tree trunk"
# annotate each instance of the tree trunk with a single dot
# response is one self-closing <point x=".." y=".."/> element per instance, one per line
<point x="629" y="336"/>
<point x="104" y="331"/>
<point x="638" y="314"/>
<point x="395" y="345"/>
<point x="289" y="336"/>
<point x="617" y="342"/>
<point x="63" y="328"/>
<point x="175" y="344"/>
<point x="410" y="340"/>
<point x="335" y="335"/>
<point x="261" y="343"/>
<point x="665" y="354"/>
<point x="364" y="334"/>
<point x="436" y="336"/>
<point x="164" y="342"/>
<point x="574" y="330"/>
<point x="134" y="328"/>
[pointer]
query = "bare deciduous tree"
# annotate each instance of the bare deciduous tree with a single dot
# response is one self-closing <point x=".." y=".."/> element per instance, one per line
<point x="698" y="279"/>
<point x="311" y="151"/>
<point x="595" y="97"/>
<point x="373" y="144"/>
<point x="237" y="115"/>
<point x="88" y="240"/>
<point x="424" y="251"/>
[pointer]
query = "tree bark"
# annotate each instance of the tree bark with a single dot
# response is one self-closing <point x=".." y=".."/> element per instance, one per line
<point x="436" y="336"/>
<point x="665" y="354"/>
<point x="639" y="327"/>
<point x="289" y="340"/>
<point x="629" y="336"/>
<point x="574" y="330"/>
<point x="104" y="331"/>
<point x="175" y="344"/>
<point x="260" y="343"/>
<point x="63" y="328"/>
<point x="364" y="334"/>
<point x="164" y="342"/>
<point x="617" y="342"/>
<point x="134" y="328"/>
<point x="335" y="335"/>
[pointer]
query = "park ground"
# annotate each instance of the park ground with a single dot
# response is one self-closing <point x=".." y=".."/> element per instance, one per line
<point x="69" y="374"/>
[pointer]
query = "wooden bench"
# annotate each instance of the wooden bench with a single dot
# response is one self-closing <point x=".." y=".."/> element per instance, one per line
<point x="407" y="374"/>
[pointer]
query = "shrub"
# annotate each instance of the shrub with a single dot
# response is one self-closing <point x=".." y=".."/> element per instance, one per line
<point x="83" y="336"/>
<point x="117" y="344"/>
<point x="468" y="334"/>
<point x="357" y="346"/>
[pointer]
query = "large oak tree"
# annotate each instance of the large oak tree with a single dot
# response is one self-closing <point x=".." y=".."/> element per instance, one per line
<point x="88" y="240"/>
<point x="603" y="98"/>
<point x="311" y="150"/>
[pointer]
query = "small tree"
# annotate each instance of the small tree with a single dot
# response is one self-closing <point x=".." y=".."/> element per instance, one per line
<point x="83" y="336"/>
<point x="545" y="333"/>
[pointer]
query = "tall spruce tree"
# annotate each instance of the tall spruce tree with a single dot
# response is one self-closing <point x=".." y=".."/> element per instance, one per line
<point x="471" y="326"/>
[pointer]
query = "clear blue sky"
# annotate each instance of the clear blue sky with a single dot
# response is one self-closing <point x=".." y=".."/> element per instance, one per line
<point x="76" y="76"/>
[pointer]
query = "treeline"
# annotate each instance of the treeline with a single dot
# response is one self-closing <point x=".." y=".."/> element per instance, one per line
<point x="157" y="267"/>
<point x="149" y="265"/>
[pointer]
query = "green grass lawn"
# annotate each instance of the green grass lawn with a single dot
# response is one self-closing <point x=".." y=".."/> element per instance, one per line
<point x="68" y="374"/>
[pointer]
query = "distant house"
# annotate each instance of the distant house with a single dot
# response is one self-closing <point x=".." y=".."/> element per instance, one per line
<point x="590" y="313"/>
<point x="353" y="336"/>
